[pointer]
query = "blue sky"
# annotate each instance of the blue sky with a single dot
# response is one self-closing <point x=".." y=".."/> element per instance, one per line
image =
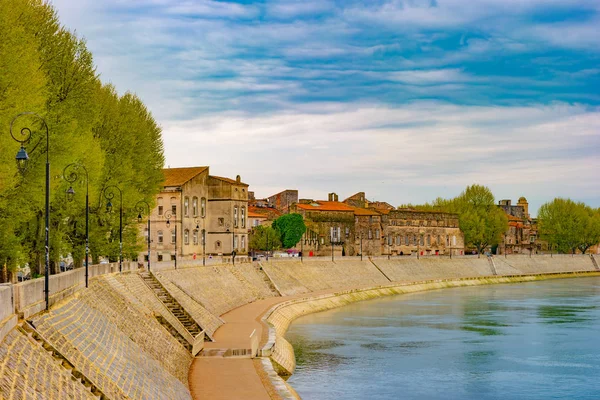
<point x="405" y="100"/>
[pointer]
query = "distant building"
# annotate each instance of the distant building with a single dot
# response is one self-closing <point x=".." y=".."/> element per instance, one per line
<point x="521" y="235"/>
<point x="205" y="213"/>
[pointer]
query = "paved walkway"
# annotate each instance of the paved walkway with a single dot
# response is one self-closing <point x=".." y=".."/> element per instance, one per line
<point x="218" y="378"/>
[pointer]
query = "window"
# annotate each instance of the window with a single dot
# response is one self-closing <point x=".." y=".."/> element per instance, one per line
<point x="186" y="236"/>
<point x="377" y="234"/>
<point x="447" y="240"/>
<point x="255" y="222"/>
<point x="203" y="207"/>
<point x="243" y="246"/>
<point x="243" y="217"/>
<point x="235" y="242"/>
<point x="174" y="206"/>
<point x="172" y="257"/>
<point x="398" y="240"/>
<point x="406" y="240"/>
<point x="347" y="232"/>
<point x="370" y="234"/>
<point x="160" y="236"/>
<point x="159" y="257"/>
<point x="186" y="207"/>
<point x="422" y="240"/>
<point x="453" y="240"/>
<point x="160" y="205"/>
<point x="195" y="237"/>
<point x="370" y="220"/>
<point x="195" y="206"/>
<point x="438" y="242"/>
<point x="221" y="221"/>
<point x="390" y="240"/>
<point x="415" y="240"/>
<point x="173" y="236"/>
<point x="428" y="240"/>
<point x="235" y="216"/>
<point x="160" y="210"/>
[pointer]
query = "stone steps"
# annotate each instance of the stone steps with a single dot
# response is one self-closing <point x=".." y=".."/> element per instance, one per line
<point x="174" y="307"/>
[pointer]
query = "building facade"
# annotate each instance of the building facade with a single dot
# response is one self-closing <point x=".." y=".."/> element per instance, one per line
<point x="197" y="214"/>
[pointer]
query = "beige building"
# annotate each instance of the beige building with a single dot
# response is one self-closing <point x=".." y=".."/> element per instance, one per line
<point x="196" y="214"/>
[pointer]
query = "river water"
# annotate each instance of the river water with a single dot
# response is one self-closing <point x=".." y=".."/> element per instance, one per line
<point x="538" y="340"/>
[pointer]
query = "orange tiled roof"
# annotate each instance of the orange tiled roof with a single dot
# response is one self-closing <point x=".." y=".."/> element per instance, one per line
<point x="228" y="180"/>
<point x="321" y="205"/>
<point x="513" y="218"/>
<point x="179" y="176"/>
<point x="252" y="214"/>
<point x="264" y="211"/>
<point x="366" y="211"/>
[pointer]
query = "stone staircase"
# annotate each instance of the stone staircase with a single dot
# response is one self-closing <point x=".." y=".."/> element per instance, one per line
<point x="174" y="307"/>
<point x="594" y="262"/>
<point x="29" y="330"/>
<point x="265" y="277"/>
<point x="225" y="353"/>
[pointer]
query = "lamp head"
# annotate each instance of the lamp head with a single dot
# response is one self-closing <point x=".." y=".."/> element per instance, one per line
<point x="22" y="159"/>
<point x="168" y="223"/>
<point x="139" y="217"/>
<point x="109" y="206"/>
<point x="70" y="193"/>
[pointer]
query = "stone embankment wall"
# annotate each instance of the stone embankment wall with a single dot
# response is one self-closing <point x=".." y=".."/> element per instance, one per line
<point x="106" y="335"/>
<point x="220" y="288"/>
<point x="408" y="275"/>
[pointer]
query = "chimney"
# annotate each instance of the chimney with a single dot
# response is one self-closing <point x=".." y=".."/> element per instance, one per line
<point x="333" y="197"/>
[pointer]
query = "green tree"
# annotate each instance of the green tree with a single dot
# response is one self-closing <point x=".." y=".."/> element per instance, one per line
<point x="569" y="225"/>
<point x="290" y="227"/>
<point x="264" y="238"/>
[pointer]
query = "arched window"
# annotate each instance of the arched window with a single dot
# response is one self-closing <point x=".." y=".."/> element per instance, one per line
<point x="195" y="206"/>
<point x="243" y="217"/>
<point x="186" y="236"/>
<point x="174" y="206"/>
<point x="186" y="206"/>
<point x="235" y="242"/>
<point x="203" y="207"/>
<point x="159" y="236"/>
<point x="195" y="236"/>
<point x="235" y="216"/>
<point x="173" y="236"/>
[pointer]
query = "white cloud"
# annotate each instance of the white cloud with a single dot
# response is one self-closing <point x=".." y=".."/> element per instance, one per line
<point x="424" y="147"/>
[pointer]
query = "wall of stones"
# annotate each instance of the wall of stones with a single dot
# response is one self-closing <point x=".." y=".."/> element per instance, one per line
<point x="27" y="371"/>
<point x="220" y="288"/>
<point x="293" y="277"/>
<point x="113" y="342"/>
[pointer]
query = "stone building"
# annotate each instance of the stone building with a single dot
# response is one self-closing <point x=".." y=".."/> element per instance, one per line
<point x="328" y="224"/>
<point x="519" y="237"/>
<point x="197" y="213"/>
<point x="283" y="200"/>
<point x="407" y="231"/>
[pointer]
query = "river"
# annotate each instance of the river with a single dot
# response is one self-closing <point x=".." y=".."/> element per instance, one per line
<point x="538" y="340"/>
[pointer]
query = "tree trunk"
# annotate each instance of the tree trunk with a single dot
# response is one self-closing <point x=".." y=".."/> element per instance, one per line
<point x="4" y="275"/>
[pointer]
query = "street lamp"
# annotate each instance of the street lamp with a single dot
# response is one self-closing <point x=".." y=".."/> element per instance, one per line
<point x="203" y="240"/>
<point x="109" y="194"/>
<point x="70" y="175"/>
<point x="139" y="206"/>
<point x="232" y="243"/>
<point x="168" y="216"/>
<point x="22" y="159"/>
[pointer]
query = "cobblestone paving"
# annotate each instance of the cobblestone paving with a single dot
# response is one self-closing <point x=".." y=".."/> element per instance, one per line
<point x="28" y="371"/>
<point x="101" y="332"/>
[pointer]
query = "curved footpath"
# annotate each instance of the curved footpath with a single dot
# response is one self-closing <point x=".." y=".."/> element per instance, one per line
<point x="245" y="378"/>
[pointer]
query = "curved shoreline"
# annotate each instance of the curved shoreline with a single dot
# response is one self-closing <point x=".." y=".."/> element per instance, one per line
<point x="280" y="316"/>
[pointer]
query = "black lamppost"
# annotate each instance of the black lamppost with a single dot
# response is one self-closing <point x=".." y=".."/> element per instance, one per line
<point x="505" y="245"/>
<point x="361" y="247"/>
<point x="203" y="240"/>
<point x="168" y="216"/>
<point x="70" y="175"/>
<point x="332" y="244"/>
<point x="139" y="206"/>
<point x="22" y="158"/>
<point x="109" y="194"/>
<point x="232" y="244"/>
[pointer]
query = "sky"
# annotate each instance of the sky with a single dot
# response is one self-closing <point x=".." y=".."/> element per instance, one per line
<point x="406" y="100"/>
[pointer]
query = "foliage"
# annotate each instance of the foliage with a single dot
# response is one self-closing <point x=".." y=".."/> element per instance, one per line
<point x="264" y="238"/>
<point x="46" y="69"/>
<point x="480" y="220"/>
<point x="290" y="227"/>
<point x="568" y="226"/>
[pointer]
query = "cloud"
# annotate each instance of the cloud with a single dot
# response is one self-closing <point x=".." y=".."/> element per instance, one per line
<point x="420" y="147"/>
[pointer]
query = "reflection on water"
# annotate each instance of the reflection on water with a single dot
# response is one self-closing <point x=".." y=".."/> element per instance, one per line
<point x="521" y="341"/>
